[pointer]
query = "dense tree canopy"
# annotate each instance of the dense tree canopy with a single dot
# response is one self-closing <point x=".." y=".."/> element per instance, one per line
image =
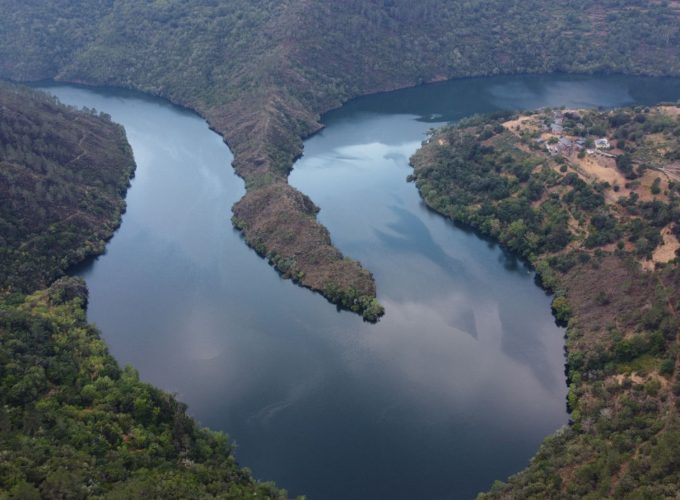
<point x="74" y="425"/>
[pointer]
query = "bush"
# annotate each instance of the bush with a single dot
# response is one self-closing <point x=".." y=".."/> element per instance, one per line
<point x="667" y="367"/>
<point x="561" y="310"/>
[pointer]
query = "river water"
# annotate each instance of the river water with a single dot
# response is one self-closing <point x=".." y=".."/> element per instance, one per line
<point x="455" y="387"/>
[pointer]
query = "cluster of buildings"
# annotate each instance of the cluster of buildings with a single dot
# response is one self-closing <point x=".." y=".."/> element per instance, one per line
<point x="565" y="146"/>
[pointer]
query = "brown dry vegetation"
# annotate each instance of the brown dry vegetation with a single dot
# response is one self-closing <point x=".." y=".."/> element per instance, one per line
<point x="281" y="222"/>
<point x="673" y="111"/>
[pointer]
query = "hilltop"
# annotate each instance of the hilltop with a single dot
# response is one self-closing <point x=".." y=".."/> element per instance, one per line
<point x="262" y="72"/>
<point x="592" y="200"/>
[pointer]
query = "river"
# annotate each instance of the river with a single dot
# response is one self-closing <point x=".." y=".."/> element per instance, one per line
<point x="455" y="387"/>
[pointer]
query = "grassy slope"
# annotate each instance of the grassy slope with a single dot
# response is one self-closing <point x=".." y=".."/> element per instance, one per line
<point x="72" y="423"/>
<point x="262" y="72"/>
<point x="590" y="240"/>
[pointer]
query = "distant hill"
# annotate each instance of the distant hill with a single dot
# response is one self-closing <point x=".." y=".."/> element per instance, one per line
<point x="261" y="72"/>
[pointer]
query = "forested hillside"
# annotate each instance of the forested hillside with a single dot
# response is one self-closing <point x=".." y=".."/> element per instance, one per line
<point x="262" y="71"/>
<point x="592" y="200"/>
<point x="63" y="175"/>
<point x="72" y="423"/>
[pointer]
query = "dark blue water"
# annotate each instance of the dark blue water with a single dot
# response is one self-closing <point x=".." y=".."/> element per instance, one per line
<point x="454" y="388"/>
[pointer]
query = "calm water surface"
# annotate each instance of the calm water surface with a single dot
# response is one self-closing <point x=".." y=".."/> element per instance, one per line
<point x="455" y="387"/>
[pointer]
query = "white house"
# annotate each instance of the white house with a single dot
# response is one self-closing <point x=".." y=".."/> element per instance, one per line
<point x="602" y="143"/>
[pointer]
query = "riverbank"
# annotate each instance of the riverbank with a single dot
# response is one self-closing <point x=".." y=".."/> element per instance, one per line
<point x="537" y="183"/>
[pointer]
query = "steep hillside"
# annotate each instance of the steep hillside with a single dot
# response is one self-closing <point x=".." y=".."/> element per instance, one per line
<point x="592" y="199"/>
<point x="73" y="424"/>
<point x="262" y="72"/>
<point x="63" y="175"/>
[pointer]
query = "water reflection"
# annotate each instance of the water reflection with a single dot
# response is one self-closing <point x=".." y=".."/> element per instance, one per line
<point x="410" y="235"/>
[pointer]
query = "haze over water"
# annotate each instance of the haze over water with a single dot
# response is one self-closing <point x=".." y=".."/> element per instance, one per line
<point x="454" y="388"/>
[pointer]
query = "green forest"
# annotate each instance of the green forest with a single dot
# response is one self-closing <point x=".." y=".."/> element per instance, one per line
<point x="73" y="424"/>
<point x="609" y="253"/>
